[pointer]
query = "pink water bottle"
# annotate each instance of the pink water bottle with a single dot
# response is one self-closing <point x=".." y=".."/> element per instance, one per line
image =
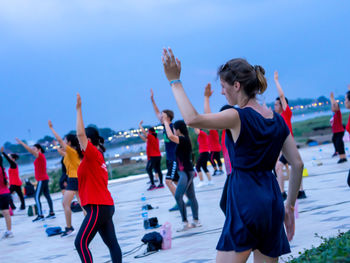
<point x="165" y="232"/>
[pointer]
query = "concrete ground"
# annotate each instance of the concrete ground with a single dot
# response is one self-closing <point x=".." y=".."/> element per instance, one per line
<point x="325" y="212"/>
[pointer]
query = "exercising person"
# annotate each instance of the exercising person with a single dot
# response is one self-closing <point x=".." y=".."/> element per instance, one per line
<point x="185" y="171"/>
<point x="258" y="135"/>
<point x="281" y="107"/>
<point x="64" y="177"/>
<point x="337" y="130"/>
<point x="5" y="197"/>
<point x="94" y="195"/>
<point x="153" y="155"/>
<point x="41" y="177"/>
<point x="70" y="149"/>
<point x="203" y="158"/>
<point x="347" y="105"/>
<point x="15" y="180"/>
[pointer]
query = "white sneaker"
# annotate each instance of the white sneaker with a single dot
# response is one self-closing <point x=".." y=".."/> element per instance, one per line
<point x="196" y="223"/>
<point x="7" y="234"/>
<point x="184" y="227"/>
<point x="200" y="184"/>
<point x="210" y="183"/>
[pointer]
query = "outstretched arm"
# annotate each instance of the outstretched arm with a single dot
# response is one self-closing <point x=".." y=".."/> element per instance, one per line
<point x="228" y="119"/>
<point x="155" y="107"/>
<point x="142" y="129"/>
<point x="30" y="150"/>
<point x="58" y="138"/>
<point x="334" y="103"/>
<point x="172" y="137"/>
<point x="280" y="92"/>
<point x="12" y="163"/>
<point x="207" y="94"/>
<point x="83" y="141"/>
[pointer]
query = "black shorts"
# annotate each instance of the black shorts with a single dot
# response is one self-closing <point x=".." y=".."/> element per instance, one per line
<point x="202" y="162"/>
<point x="63" y="179"/>
<point x="72" y="184"/>
<point x="5" y="201"/>
<point x="172" y="171"/>
<point x="283" y="160"/>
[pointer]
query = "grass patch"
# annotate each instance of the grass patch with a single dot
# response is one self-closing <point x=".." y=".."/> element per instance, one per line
<point x="332" y="250"/>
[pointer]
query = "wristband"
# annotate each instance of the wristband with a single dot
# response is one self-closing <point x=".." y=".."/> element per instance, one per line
<point x="174" y="81"/>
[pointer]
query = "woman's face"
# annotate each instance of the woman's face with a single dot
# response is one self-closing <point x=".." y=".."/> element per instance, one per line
<point x="229" y="92"/>
<point x="36" y="149"/>
<point x="347" y="102"/>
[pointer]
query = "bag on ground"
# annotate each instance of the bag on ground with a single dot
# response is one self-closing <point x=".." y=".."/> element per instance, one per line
<point x="153" y="241"/>
<point x="75" y="207"/>
<point x="53" y="231"/>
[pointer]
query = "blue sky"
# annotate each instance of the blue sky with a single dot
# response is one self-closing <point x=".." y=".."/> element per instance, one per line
<point x="110" y="52"/>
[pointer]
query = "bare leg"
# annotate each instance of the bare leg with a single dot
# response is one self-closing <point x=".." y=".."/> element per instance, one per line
<point x="171" y="186"/>
<point x="279" y="172"/>
<point x="260" y="258"/>
<point x="208" y="176"/>
<point x="67" y="199"/>
<point x="232" y="256"/>
<point x="6" y="214"/>
<point x="200" y="175"/>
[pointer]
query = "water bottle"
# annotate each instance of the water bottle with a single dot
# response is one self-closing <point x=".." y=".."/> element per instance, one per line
<point x="165" y="232"/>
<point x="144" y="212"/>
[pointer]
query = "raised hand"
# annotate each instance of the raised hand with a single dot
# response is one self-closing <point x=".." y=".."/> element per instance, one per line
<point x="152" y="95"/>
<point x="78" y="101"/>
<point x="18" y="141"/>
<point x="208" y="91"/>
<point x="141" y="122"/>
<point x="50" y="124"/>
<point x="332" y="95"/>
<point x="2" y="149"/>
<point x="349" y="87"/>
<point x="172" y="65"/>
<point x="275" y="75"/>
<point x="289" y="222"/>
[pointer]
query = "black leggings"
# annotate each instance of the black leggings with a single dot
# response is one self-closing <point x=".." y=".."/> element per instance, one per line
<point x="98" y="219"/>
<point x="43" y="187"/>
<point x="337" y="140"/>
<point x="18" y="190"/>
<point x="202" y="162"/>
<point x="154" y="163"/>
<point x="215" y="156"/>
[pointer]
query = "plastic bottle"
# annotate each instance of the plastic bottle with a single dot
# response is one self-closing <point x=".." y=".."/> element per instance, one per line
<point x="144" y="212"/>
<point x="165" y="232"/>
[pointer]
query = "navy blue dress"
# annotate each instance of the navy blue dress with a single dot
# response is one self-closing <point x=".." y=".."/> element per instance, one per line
<point x="254" y="208"/>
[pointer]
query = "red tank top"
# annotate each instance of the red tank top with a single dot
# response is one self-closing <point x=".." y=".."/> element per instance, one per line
<point x="3" y="187"/>
<point x="337" y="125"/>
<point x="214" y="143"/>
<point x="14" y="176"/>
<point x="203" y="145"/>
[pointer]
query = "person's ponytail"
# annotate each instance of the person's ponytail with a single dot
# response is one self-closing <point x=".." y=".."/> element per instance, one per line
<point x="261" y="80"/>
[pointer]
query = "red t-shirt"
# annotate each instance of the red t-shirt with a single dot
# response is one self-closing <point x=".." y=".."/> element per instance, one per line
<point x="337" y="125"/>
<point x="14" y="176"/>
<point x="225" y="153"/>
<point x="152" y="148"/>
<point x="348" y="125"/>
<point x="40" y="168"/>
<point x="287" y="116"/>
<point x="214" y="143"/>
<point x="203" y="144"/>
<point x="3" y="188"/>
<point x="93" y="178"/>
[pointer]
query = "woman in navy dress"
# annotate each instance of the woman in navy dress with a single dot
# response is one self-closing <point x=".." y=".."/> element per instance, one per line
<point x="254" y="212"/>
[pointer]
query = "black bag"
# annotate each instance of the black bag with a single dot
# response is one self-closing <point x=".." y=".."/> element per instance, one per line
<point x="153" y="240"/>
<point x="75" y="207"/>
<point x="147" y="207"/>
<point x="29" y="189"/>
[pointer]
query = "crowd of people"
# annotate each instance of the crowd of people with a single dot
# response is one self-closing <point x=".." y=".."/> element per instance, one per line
<point x="257" y="145"/>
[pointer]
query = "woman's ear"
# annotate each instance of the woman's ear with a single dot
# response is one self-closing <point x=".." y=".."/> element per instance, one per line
<point x="237" y="86"/>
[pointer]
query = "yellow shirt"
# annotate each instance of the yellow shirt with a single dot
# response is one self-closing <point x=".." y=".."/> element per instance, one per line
<point x="71" y="161"/>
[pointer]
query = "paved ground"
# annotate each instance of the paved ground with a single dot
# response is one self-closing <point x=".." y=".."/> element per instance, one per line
<point x="325" y="212"/>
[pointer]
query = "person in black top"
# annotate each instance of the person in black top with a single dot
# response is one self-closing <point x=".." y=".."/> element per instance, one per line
<point x="17" y="186"/>
<point x="185" y="171"/>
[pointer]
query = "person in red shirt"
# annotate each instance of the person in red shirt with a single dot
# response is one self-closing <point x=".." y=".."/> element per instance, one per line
<point x="94" y="195"/>
<point x="281" y="106"/>
<point x="153" y="155"/>
<point x="5" y="197"/>
<point x="203" y="148"/>
<point x="347" y="105"/>
<point x="41" y="177"/>
<point x="15" y="181"/>
<point x="337" y="130"/>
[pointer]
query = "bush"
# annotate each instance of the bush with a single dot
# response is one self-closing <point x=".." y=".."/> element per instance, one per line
<point x="55" y="176"/>
<point x="332" y="250"/>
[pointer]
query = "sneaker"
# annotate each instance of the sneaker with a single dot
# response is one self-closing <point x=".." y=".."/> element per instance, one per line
<point x="301" y="195"/>
<point x="39" y="218"/>
<point x="284" y="195"/>
<point x="7" y="234"/>
<point x="215" y="173"/>
<point x="334" y="154"/>
<point x="174" y="208"/>
<point x="210" y="183"/>
<point x="51" y="216"/>
<point x="68" y="232"/>
<point x="160" y="186"/>
<point x="184" y="227"/>
<point x="196" y="223"/>
<point x="342" y="160"/>
<point x="151" y="187"/>
<point x="200" y="184"/>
